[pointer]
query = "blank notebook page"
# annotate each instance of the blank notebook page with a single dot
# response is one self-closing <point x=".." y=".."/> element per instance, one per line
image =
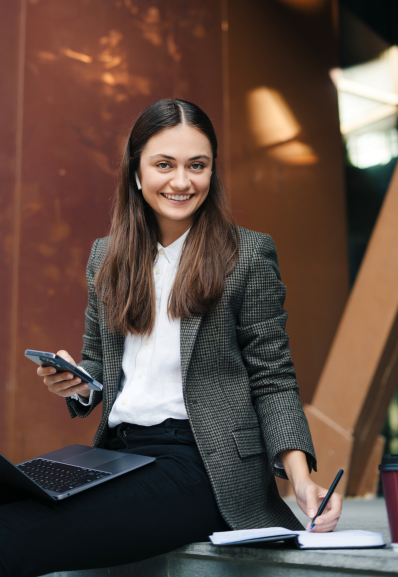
<point x="306" y="540"/>
<point x="339" y="539"/>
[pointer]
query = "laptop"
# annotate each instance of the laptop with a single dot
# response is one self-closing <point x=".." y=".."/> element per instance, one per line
<point x="65" y="472"/>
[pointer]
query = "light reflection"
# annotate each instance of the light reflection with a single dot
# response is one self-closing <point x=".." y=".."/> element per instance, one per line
<point x="112" y="40"/>
<point x="47" y="56"/>
<point x="368" y="99"/>
<point x="274" y="128"/>
<point x="367" y="118"/>
<point x="373" y="148"/>
<point x="305" y="5"/>
<point x="294" y="152"/>
<point x="108" y="78"/>
<point x="270" y="119"/>
<point x="359" y="89"/>
<point x="109" y="60"/>
<point x="151" y="26"/>
<point x="77" y="55"/>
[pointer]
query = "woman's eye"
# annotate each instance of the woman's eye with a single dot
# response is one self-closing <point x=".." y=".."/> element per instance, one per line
<point x="163" y="165"/>
<point x="197" y="166"/>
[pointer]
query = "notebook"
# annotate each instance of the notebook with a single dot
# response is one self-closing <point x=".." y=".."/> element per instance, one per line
<point x="68" y="471"/>
<point x="301" y="539"/>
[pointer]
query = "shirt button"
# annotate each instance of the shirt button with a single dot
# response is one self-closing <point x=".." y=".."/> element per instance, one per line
<point x="158" y="271"/>
<point x="161" y="251"/>
<point x="147" y="342"/>
<point x="124" y="403"/>
<point x="139" y="375"/>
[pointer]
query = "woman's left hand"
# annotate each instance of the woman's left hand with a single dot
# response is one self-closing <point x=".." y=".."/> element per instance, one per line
<point x="309" y="497"/>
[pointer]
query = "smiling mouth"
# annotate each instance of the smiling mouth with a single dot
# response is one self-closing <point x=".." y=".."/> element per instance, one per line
<point x="179" y="197"/>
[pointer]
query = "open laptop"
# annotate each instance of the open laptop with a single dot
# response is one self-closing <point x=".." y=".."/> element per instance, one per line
<point x="65" y="472"/>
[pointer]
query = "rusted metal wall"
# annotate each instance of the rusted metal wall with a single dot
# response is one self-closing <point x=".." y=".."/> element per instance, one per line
<point x="286" y="168"/>
<point x="75" y="74"/>
<point x="9" y="23"/>
<point x="286" y="162"/>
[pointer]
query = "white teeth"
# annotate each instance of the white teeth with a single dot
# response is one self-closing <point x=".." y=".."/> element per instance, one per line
<point x="177" y="197"/>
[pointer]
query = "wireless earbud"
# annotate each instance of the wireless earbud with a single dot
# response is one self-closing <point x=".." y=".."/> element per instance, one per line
<point x="137" y="180"/>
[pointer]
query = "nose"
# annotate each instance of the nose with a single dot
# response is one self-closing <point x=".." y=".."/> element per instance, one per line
<point x="180" y="181"/>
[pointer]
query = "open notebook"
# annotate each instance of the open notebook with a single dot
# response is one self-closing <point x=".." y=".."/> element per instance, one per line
<point x="301" y="539"/>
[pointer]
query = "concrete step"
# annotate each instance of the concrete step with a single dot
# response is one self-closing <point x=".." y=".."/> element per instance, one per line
<point x="205" y="560"/>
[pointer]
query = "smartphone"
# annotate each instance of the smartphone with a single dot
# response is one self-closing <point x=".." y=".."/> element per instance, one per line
<point x="62" y="366"/>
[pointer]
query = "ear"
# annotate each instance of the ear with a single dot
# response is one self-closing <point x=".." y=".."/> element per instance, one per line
<point x="137" y="180"/>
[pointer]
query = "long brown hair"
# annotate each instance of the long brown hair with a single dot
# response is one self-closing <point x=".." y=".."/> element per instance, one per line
<point x="125" y="280"/>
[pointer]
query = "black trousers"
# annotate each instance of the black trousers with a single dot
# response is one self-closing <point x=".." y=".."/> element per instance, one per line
<point x="148" y="512"/>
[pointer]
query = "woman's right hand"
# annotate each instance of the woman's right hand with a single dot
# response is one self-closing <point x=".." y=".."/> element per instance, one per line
<point x="63" y="384"/>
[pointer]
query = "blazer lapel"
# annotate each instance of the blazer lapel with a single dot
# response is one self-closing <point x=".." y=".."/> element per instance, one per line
<point x="189" y="331"/>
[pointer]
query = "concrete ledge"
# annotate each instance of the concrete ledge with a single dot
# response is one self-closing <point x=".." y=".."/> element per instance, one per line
<point x="205" y="560"/>
<point x="202" y="559"/>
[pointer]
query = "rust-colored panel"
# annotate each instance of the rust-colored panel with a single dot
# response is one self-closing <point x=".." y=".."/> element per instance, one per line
<point x="286" y="163"/>
<point x="333" y="448"/>
<point x="9" y="41"/>
<point x="91" y="67"/>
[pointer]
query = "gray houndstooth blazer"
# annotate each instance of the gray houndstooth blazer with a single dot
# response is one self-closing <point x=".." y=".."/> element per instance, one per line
<point x="239" y="384"/>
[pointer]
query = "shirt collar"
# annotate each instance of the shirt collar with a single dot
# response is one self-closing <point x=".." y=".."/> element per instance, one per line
<point x="174" y="250"/>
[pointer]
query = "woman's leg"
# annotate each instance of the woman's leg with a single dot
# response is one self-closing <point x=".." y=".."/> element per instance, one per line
<point x="9" y="495"/>
<point x="150" y="511"/>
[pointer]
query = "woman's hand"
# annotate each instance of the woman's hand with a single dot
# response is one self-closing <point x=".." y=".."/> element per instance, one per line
<point x="63" y="384"/>
<point x="309" y="495"/>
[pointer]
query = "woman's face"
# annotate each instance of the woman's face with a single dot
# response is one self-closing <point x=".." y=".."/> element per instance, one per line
<point x="175" y="171"/>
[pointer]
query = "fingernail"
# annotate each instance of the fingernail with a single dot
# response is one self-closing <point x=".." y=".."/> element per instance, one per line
<point x="312" y="512"/>
<point x="69" y="377"/>
<point x="52" y="371"/>
<point x="77" y="381"/>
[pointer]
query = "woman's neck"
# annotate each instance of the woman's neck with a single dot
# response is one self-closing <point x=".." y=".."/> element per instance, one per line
<point x="170" y="230"/>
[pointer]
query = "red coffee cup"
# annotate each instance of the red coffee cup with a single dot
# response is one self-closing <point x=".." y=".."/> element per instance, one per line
<point x="389" y="477"/>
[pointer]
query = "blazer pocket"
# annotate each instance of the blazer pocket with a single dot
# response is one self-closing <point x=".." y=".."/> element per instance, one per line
<point x="249" y="442"/>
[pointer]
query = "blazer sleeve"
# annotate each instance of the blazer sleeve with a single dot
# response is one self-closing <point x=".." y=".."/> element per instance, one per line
<point x="92" y="342"/>
<point x="266" y="353"/>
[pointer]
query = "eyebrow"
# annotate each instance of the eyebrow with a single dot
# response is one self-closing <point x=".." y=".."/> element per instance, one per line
<point x="172" y="157"/>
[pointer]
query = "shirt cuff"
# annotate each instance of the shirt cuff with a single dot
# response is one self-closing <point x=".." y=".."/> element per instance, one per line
<point x="82" y="400"/>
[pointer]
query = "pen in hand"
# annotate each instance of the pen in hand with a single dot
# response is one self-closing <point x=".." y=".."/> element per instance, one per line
<point x="326" y="499"/>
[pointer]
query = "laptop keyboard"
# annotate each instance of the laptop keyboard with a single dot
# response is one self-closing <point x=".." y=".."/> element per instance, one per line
<point x="59" y="477"/>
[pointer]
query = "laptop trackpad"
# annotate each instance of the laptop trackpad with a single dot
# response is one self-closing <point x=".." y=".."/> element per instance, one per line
<point x="94" y="458"/>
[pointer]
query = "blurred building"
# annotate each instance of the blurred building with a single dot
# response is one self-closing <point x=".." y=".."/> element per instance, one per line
<point x="367" y="83"/>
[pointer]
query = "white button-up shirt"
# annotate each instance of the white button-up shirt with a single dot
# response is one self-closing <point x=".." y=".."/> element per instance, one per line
<point x="151" y="387"/>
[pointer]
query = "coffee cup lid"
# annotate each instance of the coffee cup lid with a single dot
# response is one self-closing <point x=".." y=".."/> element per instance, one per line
<point x="389" y="463"/>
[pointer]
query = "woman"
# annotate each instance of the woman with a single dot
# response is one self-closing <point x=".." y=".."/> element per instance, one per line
<point x="185" y="329"/>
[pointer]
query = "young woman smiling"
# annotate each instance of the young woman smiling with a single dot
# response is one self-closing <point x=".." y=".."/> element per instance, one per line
<point x="185" y="329"/>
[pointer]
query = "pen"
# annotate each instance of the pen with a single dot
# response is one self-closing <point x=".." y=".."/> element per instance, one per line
<point x="328" y="495"/>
